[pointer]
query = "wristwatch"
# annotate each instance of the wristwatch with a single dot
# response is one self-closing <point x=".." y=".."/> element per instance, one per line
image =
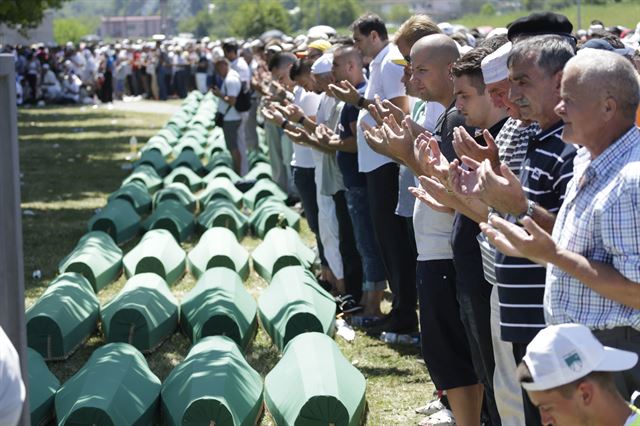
<point x="361" y="102"/>
<point x="531" y="205"/>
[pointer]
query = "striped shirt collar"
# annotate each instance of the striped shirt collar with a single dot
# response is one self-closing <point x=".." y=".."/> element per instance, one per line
<point x="554" y="130"/>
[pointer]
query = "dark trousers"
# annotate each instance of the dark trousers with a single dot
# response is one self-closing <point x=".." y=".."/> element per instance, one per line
<point x="531" y="412"/>
<point x="107" y="87"/>
<point x="304" y="180"/>
<point x="628" y="339"/>
<point x="397" y="249"/>
<point x="351" y="261"/>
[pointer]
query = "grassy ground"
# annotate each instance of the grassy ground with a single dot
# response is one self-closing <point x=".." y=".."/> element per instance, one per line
<point x="71" y="159"/>
<point x="626" y="13"/>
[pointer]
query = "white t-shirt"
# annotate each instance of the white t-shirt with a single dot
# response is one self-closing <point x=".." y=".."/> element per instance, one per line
<point x="384" y="81"/>
<point x="12" y="390"/>
<point x="240" y="66"/>
<point x="308" y="101"/>
<point x="230" y="87"/>
<point x="432" y="229"/>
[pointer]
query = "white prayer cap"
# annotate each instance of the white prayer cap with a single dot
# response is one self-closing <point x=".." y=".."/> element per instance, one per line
<point x="497" y="31"/>
<point x="323" y="64"/>
<point x="494" y="66"/>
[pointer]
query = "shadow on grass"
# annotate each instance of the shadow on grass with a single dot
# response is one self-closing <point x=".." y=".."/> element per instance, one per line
<point x="379" y="371"/>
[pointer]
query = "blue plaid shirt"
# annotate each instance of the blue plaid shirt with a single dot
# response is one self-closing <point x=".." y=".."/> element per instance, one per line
<point x="600" y="219"/>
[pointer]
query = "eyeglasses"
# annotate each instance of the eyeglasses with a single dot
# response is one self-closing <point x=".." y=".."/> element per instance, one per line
<point x="408" y="59"/>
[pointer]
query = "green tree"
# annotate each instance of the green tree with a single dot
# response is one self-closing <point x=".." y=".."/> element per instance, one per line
<point x="70" y="29"/>
<point x="336" y="13"/>
<point x="26" y="13"/>
<point x="399" y="13"/>
<point x="487" y="9"/>
<point x="201" y="25"/>
<point x="252" y="19"/>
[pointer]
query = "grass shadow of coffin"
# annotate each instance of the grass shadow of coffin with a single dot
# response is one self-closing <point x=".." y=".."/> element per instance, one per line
<point x="179" y="192"/>
<point x="272" y="213"/>
<point x="157" y="252"/>
<point x="43" y="386"/>
<point x="63" y="317"/>
<point x="222" y="213"/>
<point x="136" y="194"/>
<point x="222" y="171"/>
<point x="143" y="314"/>
<point x="219" y="158"/>
<point x="214" y="385"/>
<point x="154" y="159"/>
<point x="115" y="387"/>
<point x="262" y="189"/>
<point x="294" y="303"/>
<point x="159" y="144"/>
<point x="172" y="216"/>
<point x="96" y="257"/>
<point x="221" y="187"/>
<point x="281" y="247"/>
<point x="218" y="247"/>
<point x="219" y="305"/>
<point x="190" y="159"/>
<point x="314" y="384"/>
<point x="119" y="219"/>
<point x="186" y="176"/>
<point x="147" y="175"/>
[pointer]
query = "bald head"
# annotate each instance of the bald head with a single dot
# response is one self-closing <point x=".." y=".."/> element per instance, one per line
<point x="439" y="47"/>
<point x="606" y="74"/>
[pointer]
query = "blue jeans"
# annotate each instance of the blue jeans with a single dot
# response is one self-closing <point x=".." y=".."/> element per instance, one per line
<point x="358" y="205"/>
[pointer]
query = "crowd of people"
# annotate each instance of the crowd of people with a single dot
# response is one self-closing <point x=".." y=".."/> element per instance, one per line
<point x="490" y="181"/>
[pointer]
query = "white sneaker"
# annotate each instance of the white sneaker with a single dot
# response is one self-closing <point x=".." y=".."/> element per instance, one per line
<point x="432" y="407"/>
<point x="441" y="418"/>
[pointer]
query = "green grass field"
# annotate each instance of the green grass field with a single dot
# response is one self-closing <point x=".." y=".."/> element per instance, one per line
<point x="626" y="13"/>
<point x="71" y="160"/>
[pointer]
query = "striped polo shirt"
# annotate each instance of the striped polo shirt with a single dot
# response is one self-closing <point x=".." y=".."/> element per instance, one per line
<point x="546" y="169"/>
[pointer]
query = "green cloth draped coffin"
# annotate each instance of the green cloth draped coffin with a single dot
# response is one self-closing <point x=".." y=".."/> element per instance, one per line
<point x="220" y="212"/>
<point x="143" y="314"/>
<point x="43" y="386"/>
<point x="222" y="171"/>
<point x="172" y="216"/>
<point x="221" y="187"/>
<point x="119" y="219"/>
<point x="96" y="257"/>
<point x="262" y="189"/>
<point x="159" y="144"/>
<point x="157" y="252"/>
<point x="63" y="317"/>
<point x="136" y="194"/>
<point x="315" y="385"/>
<point x="219" y="305"/>
<point x="184" y="175"/>
<point x="179" y="192"/>
<point x="189" y="159"/>
<point x="270" y="213"/>
<point x="295" y="303"/>
<point x="155" y="159"/>
<point x="214" y="385"/>
<point x="115" y="387"/>
<point x="281" y="247"/>
<point x="218" y="247"/>
<point x="259" y="171"/>
<point x="147" y="175"/>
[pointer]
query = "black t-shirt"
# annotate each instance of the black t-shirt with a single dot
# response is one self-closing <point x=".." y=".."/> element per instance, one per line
<point x="348" y="161"/>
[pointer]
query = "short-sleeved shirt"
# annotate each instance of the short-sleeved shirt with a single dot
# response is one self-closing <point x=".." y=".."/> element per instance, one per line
<point x="384" y="81"/>
<point x="348" y="161"/>
<point x="600" y="220"/>
<point x="546" y="170"/>
<point x="230" y="87"/>
<point x="308" y="101"/>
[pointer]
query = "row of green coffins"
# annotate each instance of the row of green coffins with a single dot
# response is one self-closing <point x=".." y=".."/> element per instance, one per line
<point x="145" y="312"/>
<point x="312" y="384"/>
<point x="174" y="208"/>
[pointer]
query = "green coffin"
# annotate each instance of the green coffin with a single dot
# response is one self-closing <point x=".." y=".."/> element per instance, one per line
<point x="216" y="142"/>
<point x="262" y="189"/>
<point x="157" y="252"/>
<point x="188" y="143"/>
<point x="188" y="158"/>
<point x="136" y="194"/>
<point x="143" y="314"/>
<point x="222" y="171"/>
<point x="218" y="247"/>
<point x="270" y="213"/>
<point x="157" y="143"/>
<point x="43" y="386"/>
<point x="63" y="317"/>
<point x="179" y="192"/>
<point x="219" y="158"/>
<point x="168" y="135"/>
<point x="219" y="305"/>
<point x="96" y="257"/>
<point x="214" y="385"/>
<point x="115" y="387"/>
<point x="259" y="171"/>
<point x="220" y="212"/>
<point x="221" y="187"/>
<point x="197" y="132"/>
<point x="281" y="247"/>
<point x="255" y="158"/>
<point x="295" y="303"/>
<point x="314" y="384"/>
<point x="119" y="219"/>
<point x="154" y="159"/>
<point x="147" y="175"/>
<point x="184" y="175"/>
<point x="172" y="216"/>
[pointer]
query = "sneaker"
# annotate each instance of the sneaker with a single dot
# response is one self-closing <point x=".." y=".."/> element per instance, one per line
<point x="347" y="304"/>
<point x="441" y="418"/>
<point x="432" y="407"/>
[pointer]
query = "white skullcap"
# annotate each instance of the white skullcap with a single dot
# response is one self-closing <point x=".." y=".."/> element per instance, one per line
<point x="494" y="66"/>
<point x="323" y="64"/>
<point x="497" y="31"/>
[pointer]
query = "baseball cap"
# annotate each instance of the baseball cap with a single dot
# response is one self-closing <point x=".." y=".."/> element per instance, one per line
<point x="561" y="354"/>
<point x="494" y="66"/>
<point x="540" y="23"/>
<point x="323" y="64"/>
